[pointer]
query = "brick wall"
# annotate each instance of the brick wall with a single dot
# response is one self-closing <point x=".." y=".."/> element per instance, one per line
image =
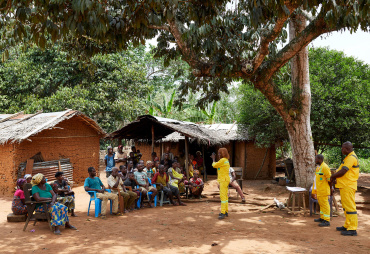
<point x="255" y="157"/>
<point x="72" y="139"/>
<point x="7" y="173"/>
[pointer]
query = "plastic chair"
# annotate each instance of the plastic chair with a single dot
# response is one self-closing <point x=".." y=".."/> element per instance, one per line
<point x="313" y="202"/>
<point x="161" y="198"/>
<point x="149" y="194"/>
<point x="97" y="202"/>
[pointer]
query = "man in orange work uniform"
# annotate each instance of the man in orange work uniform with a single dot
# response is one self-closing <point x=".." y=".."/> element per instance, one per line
<point x="347" y="176"/>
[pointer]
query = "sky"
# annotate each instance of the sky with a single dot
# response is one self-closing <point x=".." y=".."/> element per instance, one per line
<point x="356" y="44"/>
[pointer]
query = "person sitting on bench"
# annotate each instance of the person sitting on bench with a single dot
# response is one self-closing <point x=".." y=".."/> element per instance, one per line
<point x="234" y="183"/>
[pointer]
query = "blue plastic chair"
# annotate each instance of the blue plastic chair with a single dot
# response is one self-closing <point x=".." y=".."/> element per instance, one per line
<point x="150" y="193"/>
<point x="313" y="202"/>
<point x="97" y="202"/>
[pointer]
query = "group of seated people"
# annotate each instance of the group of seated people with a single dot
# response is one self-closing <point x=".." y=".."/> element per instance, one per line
<point x="59" y="195"/>
<point x="146" y="181"/>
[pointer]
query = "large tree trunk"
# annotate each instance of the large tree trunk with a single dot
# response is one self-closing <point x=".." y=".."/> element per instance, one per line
<point x="298" y="122"/>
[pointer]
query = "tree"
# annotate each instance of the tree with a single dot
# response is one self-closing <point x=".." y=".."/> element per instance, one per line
<point x="220" y="44"/>
<point x="46" y="80"/>
<point x="340" y="102"/>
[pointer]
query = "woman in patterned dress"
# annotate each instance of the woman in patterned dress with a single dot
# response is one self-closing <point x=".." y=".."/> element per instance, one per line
<point x="42" y="191"/>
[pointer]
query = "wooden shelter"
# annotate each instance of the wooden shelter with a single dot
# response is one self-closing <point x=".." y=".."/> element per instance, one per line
<point x="62" y="138"/>
<point x="153" y="133"/>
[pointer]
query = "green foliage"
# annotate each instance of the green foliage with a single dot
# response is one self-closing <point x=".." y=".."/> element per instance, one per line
<point x="110" y="90"/>
<point x="340" y="98"/>
<point x="340" y="86"/>
<point x="260" y="119"/>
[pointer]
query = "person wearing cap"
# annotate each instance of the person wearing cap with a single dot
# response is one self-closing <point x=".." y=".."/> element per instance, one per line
<point x="109" y="161"/>
<point x="120" y="157"/>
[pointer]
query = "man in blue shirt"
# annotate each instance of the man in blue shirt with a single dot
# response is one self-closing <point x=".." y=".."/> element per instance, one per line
<point x="93" y="183"/>
<point x="109" y="161"/>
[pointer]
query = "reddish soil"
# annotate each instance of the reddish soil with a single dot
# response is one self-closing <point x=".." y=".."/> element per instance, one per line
<point x="193" y="229"/>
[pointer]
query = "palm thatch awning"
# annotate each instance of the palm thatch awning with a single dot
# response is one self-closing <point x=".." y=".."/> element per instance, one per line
<point x="167" y="130"/>
<point x="18" y="127"/>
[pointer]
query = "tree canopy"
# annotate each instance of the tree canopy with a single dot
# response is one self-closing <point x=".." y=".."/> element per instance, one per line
<point x="114" y="91"/>
<point x="340" y="102"/>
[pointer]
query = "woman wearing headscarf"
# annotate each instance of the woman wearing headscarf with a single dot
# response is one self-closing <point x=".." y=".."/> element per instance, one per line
<point x="28" y="178"/>
<point x="223" y="178"/>
<point x="18" y="205"/>
<point x="42" y="191"/>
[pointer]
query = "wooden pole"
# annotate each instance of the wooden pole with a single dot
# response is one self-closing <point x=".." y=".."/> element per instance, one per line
<point x="263" y="162"/>
<point x="152" y="138"/>
<point x="187" y="157"/>
<point x="204" y="166"/>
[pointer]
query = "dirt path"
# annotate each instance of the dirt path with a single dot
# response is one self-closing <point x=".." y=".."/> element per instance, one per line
<point x="191" y="229"/>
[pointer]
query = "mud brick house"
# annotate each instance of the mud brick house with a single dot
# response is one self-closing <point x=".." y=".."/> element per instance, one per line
<point x="152" y="133"/>
<point x="52" y="136"/>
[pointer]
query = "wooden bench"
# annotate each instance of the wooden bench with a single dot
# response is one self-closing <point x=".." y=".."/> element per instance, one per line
<point x="16" y="218"/>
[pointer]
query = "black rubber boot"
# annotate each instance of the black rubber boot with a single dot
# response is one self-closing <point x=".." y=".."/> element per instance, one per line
<point x="318" y="220"/>
<point x="324" y="224"/>
<point x="349" y="233"/>
<point x="221" y="216"/>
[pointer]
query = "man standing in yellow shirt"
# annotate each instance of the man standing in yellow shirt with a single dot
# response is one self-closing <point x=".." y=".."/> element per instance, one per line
<point x="321" y="189"/>
<point x="347" y="176"/>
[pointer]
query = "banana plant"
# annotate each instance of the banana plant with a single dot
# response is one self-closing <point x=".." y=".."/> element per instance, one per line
<point x="161" y="110"/>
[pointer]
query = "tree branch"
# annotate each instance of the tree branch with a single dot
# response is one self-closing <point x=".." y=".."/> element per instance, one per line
<point x="311" y="32"/>
<point x="166" y="28"/>
<point x="270" y="37"/>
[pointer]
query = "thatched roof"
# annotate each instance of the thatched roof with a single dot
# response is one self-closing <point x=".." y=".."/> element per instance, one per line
<point x="18" y="127"/>
<point x="170" y="130"/>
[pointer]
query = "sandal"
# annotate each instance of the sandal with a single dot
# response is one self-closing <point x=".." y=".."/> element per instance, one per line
<point x="117" y="214"/>
<point x="72" y="227"/>
<point x="183" y="204"/>
<point x="103" y="217"/>
<point x="57" y="232"/>
<point x="243" y="201"/>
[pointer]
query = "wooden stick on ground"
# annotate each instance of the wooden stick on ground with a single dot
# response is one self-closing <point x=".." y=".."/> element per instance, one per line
<point x="268" y="206"/>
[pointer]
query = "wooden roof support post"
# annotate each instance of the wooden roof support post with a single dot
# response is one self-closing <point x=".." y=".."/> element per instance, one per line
<point x="187" y="157"/>
<point x="204" y="166"/>
<point x="152" y="138"/>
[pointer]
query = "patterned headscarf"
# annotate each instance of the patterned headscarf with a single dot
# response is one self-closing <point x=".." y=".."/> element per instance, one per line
<point x="26" y="176"/>
<point x="20" y="182"/>
<point x="36" y="179"/>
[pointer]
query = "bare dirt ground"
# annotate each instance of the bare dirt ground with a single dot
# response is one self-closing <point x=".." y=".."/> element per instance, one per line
<point x="193" y="229"/>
